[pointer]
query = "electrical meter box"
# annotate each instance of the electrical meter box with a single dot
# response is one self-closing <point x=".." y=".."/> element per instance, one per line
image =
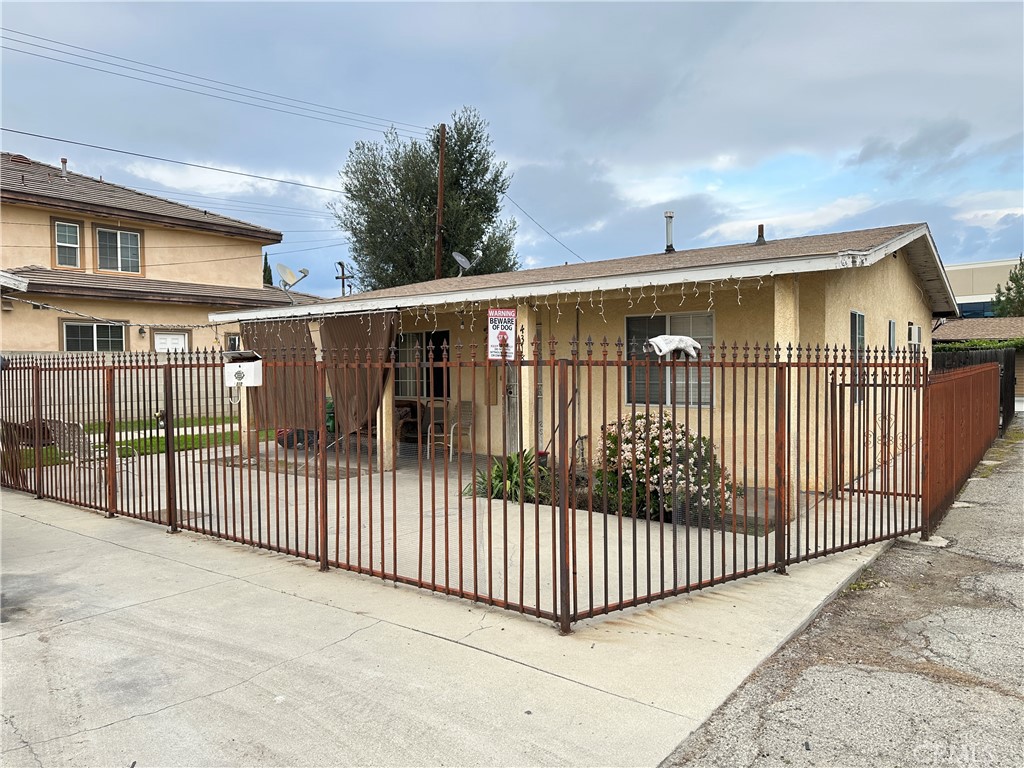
<point x="243" y="369"/>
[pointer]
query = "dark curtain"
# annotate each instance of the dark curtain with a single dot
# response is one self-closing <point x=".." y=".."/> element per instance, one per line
<point x="287" y="398"/>
<point x="357" y="385"/>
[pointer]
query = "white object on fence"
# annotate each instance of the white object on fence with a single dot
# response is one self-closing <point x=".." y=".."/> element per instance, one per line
<point x="668" y="345"/>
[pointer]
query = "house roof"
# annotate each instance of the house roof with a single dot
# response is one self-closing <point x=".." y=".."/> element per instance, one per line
<point x="57" y="282"/>
<point x="968" y="329"/>
<point x="841" y="250"/>
<point x="28" y="182"/>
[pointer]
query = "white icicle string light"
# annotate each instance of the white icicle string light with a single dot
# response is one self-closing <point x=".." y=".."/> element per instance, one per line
<point x="605" y="319"/>
<point x="739" y="300"/>
<point x="655" y="295"/>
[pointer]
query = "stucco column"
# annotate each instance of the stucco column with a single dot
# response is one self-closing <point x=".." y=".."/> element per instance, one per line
<point x="787" y="311"/>
<point x="386" y="425"/>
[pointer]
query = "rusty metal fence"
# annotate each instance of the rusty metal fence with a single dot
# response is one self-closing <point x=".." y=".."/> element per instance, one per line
<point x="962" y="415"/>
<point x="563" y="484"/>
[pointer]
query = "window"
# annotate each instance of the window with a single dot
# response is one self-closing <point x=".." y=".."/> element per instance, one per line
<point x="118" y="250"/>
<point x="66" y="236"/>
<point x="858" y="353"/>
<point x="422" y="380"/>
<point x="892" y="337"/>
<point x="232" y="342"/>
<point x="654" y="383"/>
<point x="84" y="337"/>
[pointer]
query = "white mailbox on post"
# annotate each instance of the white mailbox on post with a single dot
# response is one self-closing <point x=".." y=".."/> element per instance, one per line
<point x="243" y="369"/>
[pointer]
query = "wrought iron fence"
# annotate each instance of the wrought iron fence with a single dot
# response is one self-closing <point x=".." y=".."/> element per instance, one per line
<point x="564" y="483"/>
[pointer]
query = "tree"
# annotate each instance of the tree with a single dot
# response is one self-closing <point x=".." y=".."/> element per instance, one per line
<point x="1010" y="303"/>
<point x="268" y="276"/>
<point x="390" y="205"/>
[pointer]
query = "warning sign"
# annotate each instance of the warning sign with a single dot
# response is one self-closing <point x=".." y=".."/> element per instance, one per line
<point x="501" y="334"/>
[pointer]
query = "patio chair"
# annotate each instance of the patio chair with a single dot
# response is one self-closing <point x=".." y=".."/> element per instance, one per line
<point x="461" y="425"/>
<point x="74" y="444"/>
<point x="436" y="432"/>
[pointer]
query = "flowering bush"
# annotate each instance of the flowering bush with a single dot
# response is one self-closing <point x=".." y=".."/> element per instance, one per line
<point x="664" y="472"/>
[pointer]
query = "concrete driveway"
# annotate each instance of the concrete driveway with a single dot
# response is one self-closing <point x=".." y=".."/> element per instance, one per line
<point x="125" y="645"/>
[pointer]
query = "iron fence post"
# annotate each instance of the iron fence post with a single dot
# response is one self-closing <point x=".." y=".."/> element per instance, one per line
<point x="321" y="463"/>
<point x="37" y="417"/>
<point x="781" y="480"/>
<point x="564" y="444"/>
<point x="926" y="438"/>
<point x="108" y="385"/>
<point x="172" y="502"/>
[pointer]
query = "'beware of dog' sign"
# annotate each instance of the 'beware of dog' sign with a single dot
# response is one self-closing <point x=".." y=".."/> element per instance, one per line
<point x="501" y="333"/>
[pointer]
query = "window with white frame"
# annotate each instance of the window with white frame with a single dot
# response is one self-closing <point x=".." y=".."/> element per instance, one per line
<point x="892" y="337"/>
<point x="93" y="337"/>
<point x="66" y="235"/>
<point x="656" y="384"/>
<point x="118" y="250"/>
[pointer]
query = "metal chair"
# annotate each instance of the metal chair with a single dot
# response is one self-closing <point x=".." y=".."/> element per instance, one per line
<point x="437" y="434"/>
<point x="462" y="425"/>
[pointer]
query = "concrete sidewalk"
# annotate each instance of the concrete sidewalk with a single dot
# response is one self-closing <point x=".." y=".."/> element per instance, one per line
<point x="125" y="645"/>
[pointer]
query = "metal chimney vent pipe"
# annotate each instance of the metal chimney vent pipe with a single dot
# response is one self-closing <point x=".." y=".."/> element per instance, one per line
<point x="669" y="248"/>
<point x="63" y="167"/>
<point x="760" y="235"/>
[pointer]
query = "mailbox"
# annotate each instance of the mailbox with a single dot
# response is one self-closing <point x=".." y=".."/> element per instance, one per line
<point x="243" y="369"/>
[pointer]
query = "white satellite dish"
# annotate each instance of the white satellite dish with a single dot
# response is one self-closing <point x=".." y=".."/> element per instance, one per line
<point x="466" y="264"/>
<point x="289" y="278"/>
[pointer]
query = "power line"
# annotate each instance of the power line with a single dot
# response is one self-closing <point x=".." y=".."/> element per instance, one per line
<point x="175" y="162"/>
<point x="376" y="129"/>
<point x="570" y="250"/>
<point x="206" y="79"/>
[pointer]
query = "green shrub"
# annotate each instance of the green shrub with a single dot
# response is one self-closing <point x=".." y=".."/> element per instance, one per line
<point x="512" y="477"/>
<point x="657" y="470"/>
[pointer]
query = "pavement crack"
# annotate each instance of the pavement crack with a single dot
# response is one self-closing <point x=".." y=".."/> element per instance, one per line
<point x="9" y="719"/>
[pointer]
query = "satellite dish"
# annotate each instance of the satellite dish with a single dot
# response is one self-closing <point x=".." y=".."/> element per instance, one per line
<point x="289" y="278"/>
<point x="464" y="263"/>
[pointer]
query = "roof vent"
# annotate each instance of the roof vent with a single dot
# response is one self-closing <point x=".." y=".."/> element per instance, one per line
<point x="63" y="167"/>
<point x="669" y="248"/>
<point x="760" y="236"/>
<point x="20" y="159"/>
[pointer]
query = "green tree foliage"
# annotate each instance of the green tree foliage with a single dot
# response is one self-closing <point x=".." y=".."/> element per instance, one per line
<point x="268" y="276"/>
<point x="1010" y="302"/>
<point x="391" y="203"/>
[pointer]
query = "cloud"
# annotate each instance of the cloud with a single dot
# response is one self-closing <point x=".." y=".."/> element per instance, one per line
<point x="780" y="224"/>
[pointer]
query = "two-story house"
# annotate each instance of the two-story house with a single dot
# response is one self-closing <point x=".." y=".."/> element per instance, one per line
<point x="94" y="266"/>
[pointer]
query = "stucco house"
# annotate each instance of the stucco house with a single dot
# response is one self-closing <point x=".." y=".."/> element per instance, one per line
<point x="866" y="289"/>
<point x="94" y="266"/>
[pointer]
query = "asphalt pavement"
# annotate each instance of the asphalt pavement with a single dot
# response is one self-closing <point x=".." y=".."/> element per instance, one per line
<point x="918" y="662"/>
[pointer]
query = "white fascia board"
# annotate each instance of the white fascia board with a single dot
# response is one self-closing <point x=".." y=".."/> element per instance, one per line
<point x="748" y="270"/>
<point x="975" y="297"/>
<point x="15" y="283"/>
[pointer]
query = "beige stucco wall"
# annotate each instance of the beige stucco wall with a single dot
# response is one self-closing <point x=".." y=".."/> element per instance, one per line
<point x="24" y="329"/>
<point x="167" y="253"/>
<point x="887" y="290"/>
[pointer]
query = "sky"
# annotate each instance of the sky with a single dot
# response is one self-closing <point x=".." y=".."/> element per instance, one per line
<point x="806" y="117"/>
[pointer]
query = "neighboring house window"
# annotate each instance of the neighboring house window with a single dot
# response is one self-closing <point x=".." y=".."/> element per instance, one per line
<point x="68" y="245"/>
<point x="422" y="380"/>
<point x="977" y="309"/>
<point x="118" y="250"/>
<point x="654" y="384"/>
<point x="86" y="337"/>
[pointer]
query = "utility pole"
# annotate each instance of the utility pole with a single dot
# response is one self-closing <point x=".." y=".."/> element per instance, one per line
<point x="440" y="207"/>
<point x="343" y="277"/>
